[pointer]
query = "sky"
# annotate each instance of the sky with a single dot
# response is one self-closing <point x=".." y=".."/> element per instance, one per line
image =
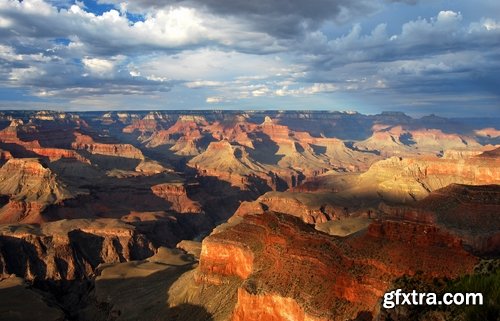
<point x="415" y="56"/>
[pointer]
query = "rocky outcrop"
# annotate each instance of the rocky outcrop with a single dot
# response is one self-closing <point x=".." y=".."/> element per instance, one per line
<point x="5" y="155"/>
<point x="150" y="123"/>
<point x="84" y="142"/>
<point x="270" y="307"/>
<point x="54" y="154"/>
<point x="289" y="271"/>
<point x="150" y="167"/>
<point x="310" y="207"/>
<point x="176" y="194"/>
<point x="406" y="180"/>
<point x="229" y="163"/>
<point x="30" y="187"/>
<point x="9" y="135"/>
<point x="406" y="141"/>
<point x="68" y="250"/>
<point x="463" y="215"/>
<point x="490" y="154"/>
<point x="184" y="135"/>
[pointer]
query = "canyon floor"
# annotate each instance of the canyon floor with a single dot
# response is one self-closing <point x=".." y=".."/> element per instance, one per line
<point x="244" y="215"/>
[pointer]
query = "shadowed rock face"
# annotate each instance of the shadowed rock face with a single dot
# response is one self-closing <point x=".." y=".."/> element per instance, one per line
<point x="68" y="250"/>
<point x="468" y="216"/>
<point x="19" y="302"/>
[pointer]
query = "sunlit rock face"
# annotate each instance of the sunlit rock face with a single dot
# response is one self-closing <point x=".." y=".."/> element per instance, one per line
<point x="84" y="142"/>
<point x="289" y="269"/>
<point x="31" y="188"/>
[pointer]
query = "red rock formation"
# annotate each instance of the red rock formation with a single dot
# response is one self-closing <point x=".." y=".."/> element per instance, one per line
<point x="9" y="135"/>
<point x="270" y="308"/>
<point x="22" y="211"/>
<point x="5" y="155"/>
<point x="187" y="129"/>
<point x="491" y="154"/>
<point x="68" y="250"/>
<point x="85" y="142"/>
<point x="58" y="153"/>
<point x="229" y="163"/>
<point x="291" y="271"/>
<point x="30" y="187"/>
<point x="403" y="141"/>
<point x="226" y="259"/>
<point x="469" y="211"/>
<point x="150" y="123"/>
<point x="310" y="207"/>
<point x="176" y="194"/>
<point x="237" y="130"/>
<point x="405" y="180"/>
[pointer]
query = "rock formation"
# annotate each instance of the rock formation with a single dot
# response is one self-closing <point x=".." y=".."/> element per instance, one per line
<point x="30" y="187"/>
<point x="288" y="270"/>
<point x="68" y="249"/>
<point x="85" y="142"/>
<point x="323" y="209"/>
<point x="176" y="194"/>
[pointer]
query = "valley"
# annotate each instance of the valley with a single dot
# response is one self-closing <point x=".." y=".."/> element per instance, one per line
<point x="238" y="215"/>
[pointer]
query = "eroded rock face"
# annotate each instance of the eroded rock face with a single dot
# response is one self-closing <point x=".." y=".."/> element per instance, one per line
<point x="310" y="207"/>
<point x="228" y="163"/>
<point x="54" y="154"/>
<point x="86" y="142"/>
<point x="463" y="215"/>
<point x="5" y="155"/>
<point x="30" y="187"/>
<point x="406" y="180"/>
<point x="68" y="250"/>
<point x="405" y="141"/>
<point x="23" y="148"/>
<point x="176" y="194"/>
<point x="277" y="308"/>
<point x="290" y="271"/>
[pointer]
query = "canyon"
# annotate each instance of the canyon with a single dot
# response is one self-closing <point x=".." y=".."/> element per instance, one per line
<point x="238" y="215"/>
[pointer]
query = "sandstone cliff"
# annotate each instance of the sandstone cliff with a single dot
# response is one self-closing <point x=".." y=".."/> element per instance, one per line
<point x="85" y="142"/>
<point x="30" y="187"/>
<point x="288" y="270"/>
<point x="68" y="249"/>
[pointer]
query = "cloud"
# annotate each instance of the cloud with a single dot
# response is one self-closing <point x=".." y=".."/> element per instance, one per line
<point x="171" y="28"/>
<point x="281" y="19"/>
<point x="442" y="46"/>
<point x="101" y="67"/>
<point x="214" y="100"/>
<point x="310" y="90"/>
<point x="239" y="51"/>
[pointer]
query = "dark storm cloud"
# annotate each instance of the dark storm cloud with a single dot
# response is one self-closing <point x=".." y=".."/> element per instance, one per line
<point x="280" y="18"/>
